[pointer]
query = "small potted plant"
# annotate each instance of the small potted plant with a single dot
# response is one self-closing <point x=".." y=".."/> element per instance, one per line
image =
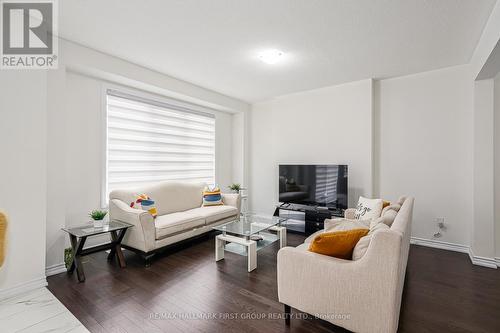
<point x="68" y="257"/>
<point x="236" y="188"/>
<point x="98" y="217"/>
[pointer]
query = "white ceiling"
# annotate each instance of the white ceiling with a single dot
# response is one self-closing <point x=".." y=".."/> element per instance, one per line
<point x="214" y="43"/>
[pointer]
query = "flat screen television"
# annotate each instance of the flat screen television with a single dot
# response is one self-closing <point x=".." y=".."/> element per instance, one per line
<point x="314" y="185"/>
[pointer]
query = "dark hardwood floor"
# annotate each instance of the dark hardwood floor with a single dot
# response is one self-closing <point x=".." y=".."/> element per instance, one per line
<point x="443" y="292"/>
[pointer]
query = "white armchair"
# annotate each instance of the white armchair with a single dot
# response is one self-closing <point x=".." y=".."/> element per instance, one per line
<point x="362" y="295"/>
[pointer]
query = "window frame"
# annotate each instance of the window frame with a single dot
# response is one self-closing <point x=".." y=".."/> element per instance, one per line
<point x="158" y="100"/>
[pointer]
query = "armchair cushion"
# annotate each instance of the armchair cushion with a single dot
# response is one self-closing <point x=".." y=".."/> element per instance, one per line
<point x="340" y="224"/>
<point x="350" y="213"/>
<point x="368" y="208"/>
<point x="362" y="245"/>
<point x="338" y="244"/>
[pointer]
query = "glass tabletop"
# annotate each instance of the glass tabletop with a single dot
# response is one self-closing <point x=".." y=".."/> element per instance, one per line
<point x="250" y="224"/>
<point x="89" y="230"/>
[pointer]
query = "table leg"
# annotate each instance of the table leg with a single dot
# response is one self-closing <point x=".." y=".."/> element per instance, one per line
<point x="116" y="247"/>
<point x="219" y="248"/>
<point x="282" y="235"/>
<point x="252" y="255"/>
<point x="281" y="232"/>
<point x="77" y="246"/>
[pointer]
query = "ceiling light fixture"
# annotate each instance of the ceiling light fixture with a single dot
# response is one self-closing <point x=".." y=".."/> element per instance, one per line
<point x="271" y="56"/>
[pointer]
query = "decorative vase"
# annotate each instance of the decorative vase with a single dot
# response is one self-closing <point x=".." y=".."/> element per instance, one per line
<point x="98" y="223"/>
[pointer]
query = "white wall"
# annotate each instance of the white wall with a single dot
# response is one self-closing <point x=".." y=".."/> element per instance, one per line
<point x="23" y="178"/>
<point x="330" y="125"/>
<point x="496" y="147"/>
<point x="425" y="148"/>
<point x="238" y="147"/>
<point x="75" y="133"/>
<point x="487" y="42"/>
<point x="421" y="145"/>
<point x="483" y="239"/>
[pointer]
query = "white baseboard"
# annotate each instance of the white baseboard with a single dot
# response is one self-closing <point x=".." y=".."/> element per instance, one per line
<point x="94" y="241"/>
<point x="482" y="261"/>
<point x="476" y="260"/>
<point x="440" y="244"/>
<point x="23" y="288"/>
<point x="55" y="269"/>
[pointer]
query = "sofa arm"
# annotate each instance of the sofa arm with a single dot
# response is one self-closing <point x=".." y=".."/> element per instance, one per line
<point x="142" y="235"/>
<point x="366" y="291"/>
<point x="232" y="199"/>
<point x="350" y="213"/>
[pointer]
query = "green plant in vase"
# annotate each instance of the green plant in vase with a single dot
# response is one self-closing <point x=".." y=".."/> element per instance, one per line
<point x="68" y="257"/>
<point x="236" y="188"/>
<point x="98" y="217"/>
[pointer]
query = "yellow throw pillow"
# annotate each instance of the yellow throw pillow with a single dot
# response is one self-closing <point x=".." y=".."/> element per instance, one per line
<point x="212" y="196"/>
<point x="338" y="244"/>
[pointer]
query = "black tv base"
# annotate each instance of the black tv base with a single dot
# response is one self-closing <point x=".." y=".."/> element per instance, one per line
<point x="308" y="219"/>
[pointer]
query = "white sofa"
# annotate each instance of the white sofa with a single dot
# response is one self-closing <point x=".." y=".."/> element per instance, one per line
<point x="180" y="215"/>
<point x="362" y="295"/>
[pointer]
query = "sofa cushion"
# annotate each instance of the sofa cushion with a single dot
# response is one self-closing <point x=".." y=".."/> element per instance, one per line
<point x="214" y="213"/>
<point x="170" y="196"/>
<point x="170" y="224"/>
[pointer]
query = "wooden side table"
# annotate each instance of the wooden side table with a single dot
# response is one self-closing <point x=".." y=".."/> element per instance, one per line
<point x="78" y="236"/>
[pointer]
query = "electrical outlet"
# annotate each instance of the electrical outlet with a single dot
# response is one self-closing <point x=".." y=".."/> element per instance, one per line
<point x="440" y="223"/>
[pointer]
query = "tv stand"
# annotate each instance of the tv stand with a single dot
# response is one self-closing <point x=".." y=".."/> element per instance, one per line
<point x="313" y="217"/>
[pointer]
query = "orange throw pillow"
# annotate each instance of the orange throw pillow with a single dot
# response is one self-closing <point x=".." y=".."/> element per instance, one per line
<point x="338" y="244"/>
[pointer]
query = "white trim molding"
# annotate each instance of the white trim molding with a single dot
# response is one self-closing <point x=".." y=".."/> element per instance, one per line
<point x="476" y="260"/>
<point x="482" y="261"/>
<point x="55" y="269"/>
<point x="22" y="288"/>
<point x="440" y="244"/>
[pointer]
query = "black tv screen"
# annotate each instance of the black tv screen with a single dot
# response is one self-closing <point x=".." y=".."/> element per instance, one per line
<point x="315" y="185"/>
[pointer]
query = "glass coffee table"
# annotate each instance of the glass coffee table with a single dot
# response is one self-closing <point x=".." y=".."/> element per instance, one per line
<point x="248" y="234"/>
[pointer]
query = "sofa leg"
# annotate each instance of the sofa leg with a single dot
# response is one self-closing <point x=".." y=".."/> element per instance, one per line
<point x="147" y="259"/>
<point x="288" y="311"/>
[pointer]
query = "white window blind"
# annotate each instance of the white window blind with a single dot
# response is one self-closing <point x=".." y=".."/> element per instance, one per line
<point x="150" y="141"/>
